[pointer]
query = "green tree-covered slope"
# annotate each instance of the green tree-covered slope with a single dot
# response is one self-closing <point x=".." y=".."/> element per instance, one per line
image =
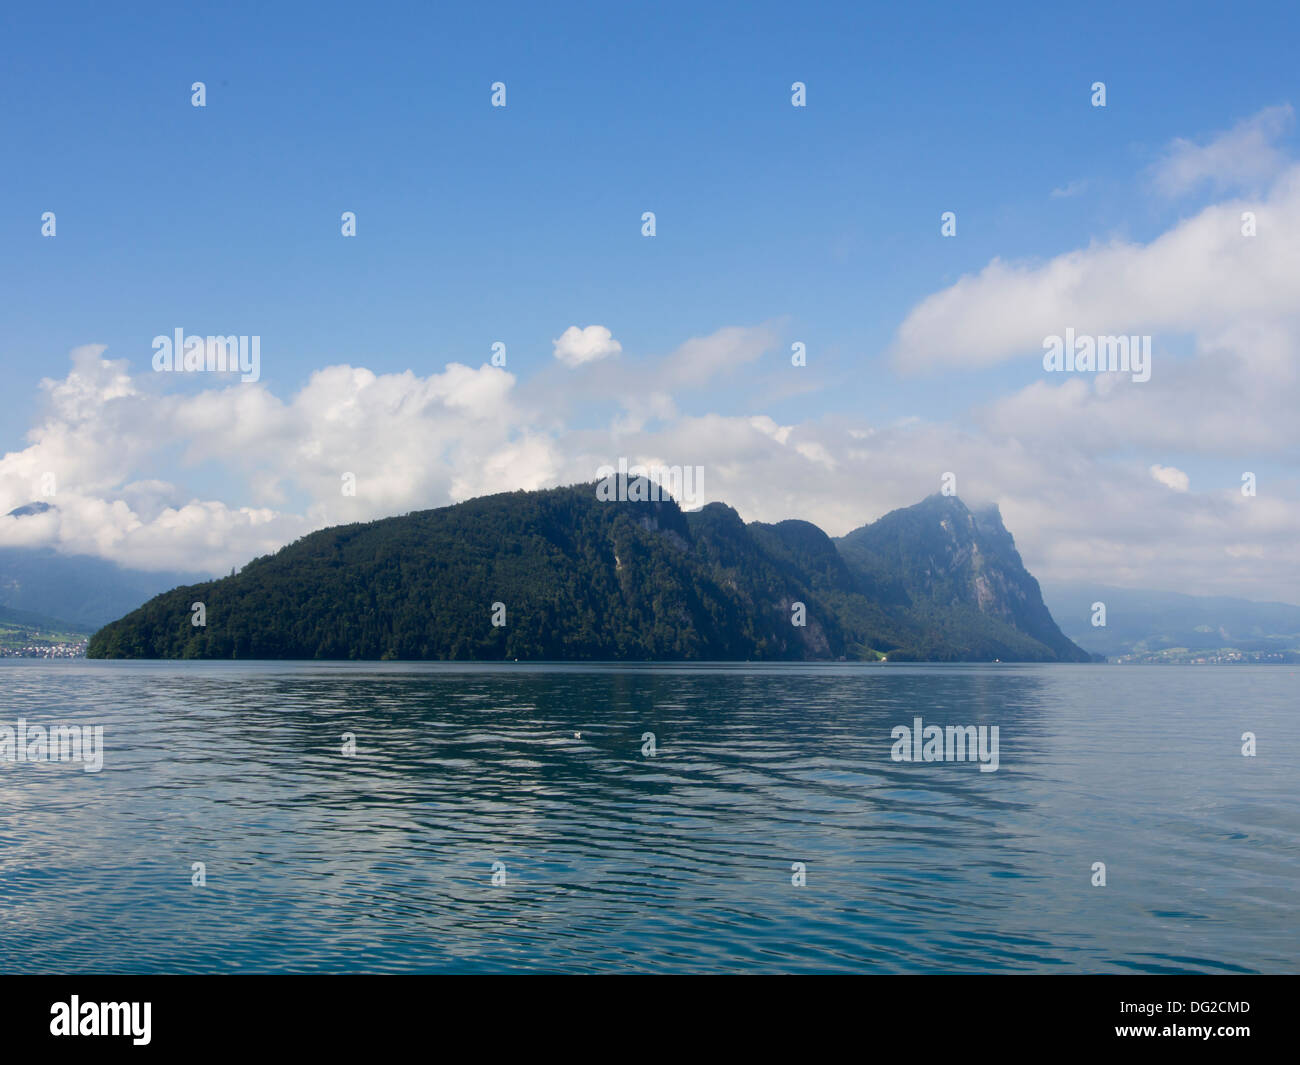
<point x="579" y="578"/>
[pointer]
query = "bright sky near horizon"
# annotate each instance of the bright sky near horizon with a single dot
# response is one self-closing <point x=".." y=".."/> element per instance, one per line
<point x="775" y="225"/>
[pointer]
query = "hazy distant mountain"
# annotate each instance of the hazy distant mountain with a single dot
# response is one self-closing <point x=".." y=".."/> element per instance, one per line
<point x="1147" y="622"/>
<point x="24" y="619"/>
<point x="79" y="591"/>
<point x="28" y="509"/>
<point x="579" y="578"/>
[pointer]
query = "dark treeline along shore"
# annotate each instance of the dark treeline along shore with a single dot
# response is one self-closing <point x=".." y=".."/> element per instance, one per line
<point x="577" y="578"/>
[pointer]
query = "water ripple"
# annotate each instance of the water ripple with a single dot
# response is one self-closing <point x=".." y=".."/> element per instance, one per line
<point x="383" y="860"/>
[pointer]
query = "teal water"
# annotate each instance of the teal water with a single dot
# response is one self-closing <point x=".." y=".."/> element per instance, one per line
<point x="614" y="861"/>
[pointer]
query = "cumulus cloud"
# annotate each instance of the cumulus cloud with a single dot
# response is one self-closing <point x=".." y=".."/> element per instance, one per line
<point x="637" y="392"/>
<point x="1201" y="276"/>
<point x="406" y="441"/>
<point x="578" y="346"/>
<point x="414" y="442"/>
<point x="1088" y="469"/>
<point x="1245" y="155"/>
<point x="1170" y="477"/>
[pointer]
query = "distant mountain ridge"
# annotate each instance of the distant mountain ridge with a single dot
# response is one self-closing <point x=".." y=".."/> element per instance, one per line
<point x="1153" y="625"/>
<point x="24" y="619"/>
<point x="581" y="578"/>
<point x="80" y="591"/>
<point x="76" y="593"/>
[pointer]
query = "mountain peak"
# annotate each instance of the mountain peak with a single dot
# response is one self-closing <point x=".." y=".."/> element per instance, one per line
<point x="939" y="555"/>
<point x="937" y="500"/>
<point x="28" y="509"/>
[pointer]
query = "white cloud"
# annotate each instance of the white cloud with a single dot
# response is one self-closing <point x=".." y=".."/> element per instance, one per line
<point x="408" y="441"/>
<point x="1246" y="155"/>
<point x="1170" y="477"/>
<point x="1201" y="276"/>
<point x="1071" y="459"/>
<point x="417" y="442"/>
<point x="701" y="359"/>
<point x="1070" y="188"/>
<point x="578" y="346"/>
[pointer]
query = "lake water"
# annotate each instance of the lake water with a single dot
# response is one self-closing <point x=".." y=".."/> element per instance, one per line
<point x="681" y="861"/>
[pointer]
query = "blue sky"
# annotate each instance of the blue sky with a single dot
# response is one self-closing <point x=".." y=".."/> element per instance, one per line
<point x="478" y="224"/>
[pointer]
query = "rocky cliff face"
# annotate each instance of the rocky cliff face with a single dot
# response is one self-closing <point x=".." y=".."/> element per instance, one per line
<point x="939" y="557"/>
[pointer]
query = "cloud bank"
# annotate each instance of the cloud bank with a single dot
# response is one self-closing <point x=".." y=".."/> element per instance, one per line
<point x="1088" y="469"/>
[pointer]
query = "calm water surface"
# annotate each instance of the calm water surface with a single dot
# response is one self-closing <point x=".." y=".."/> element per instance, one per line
<point x="679" y="862"/>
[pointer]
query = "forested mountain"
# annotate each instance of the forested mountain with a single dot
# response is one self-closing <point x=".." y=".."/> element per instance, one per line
<point x="574" y="577"/>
